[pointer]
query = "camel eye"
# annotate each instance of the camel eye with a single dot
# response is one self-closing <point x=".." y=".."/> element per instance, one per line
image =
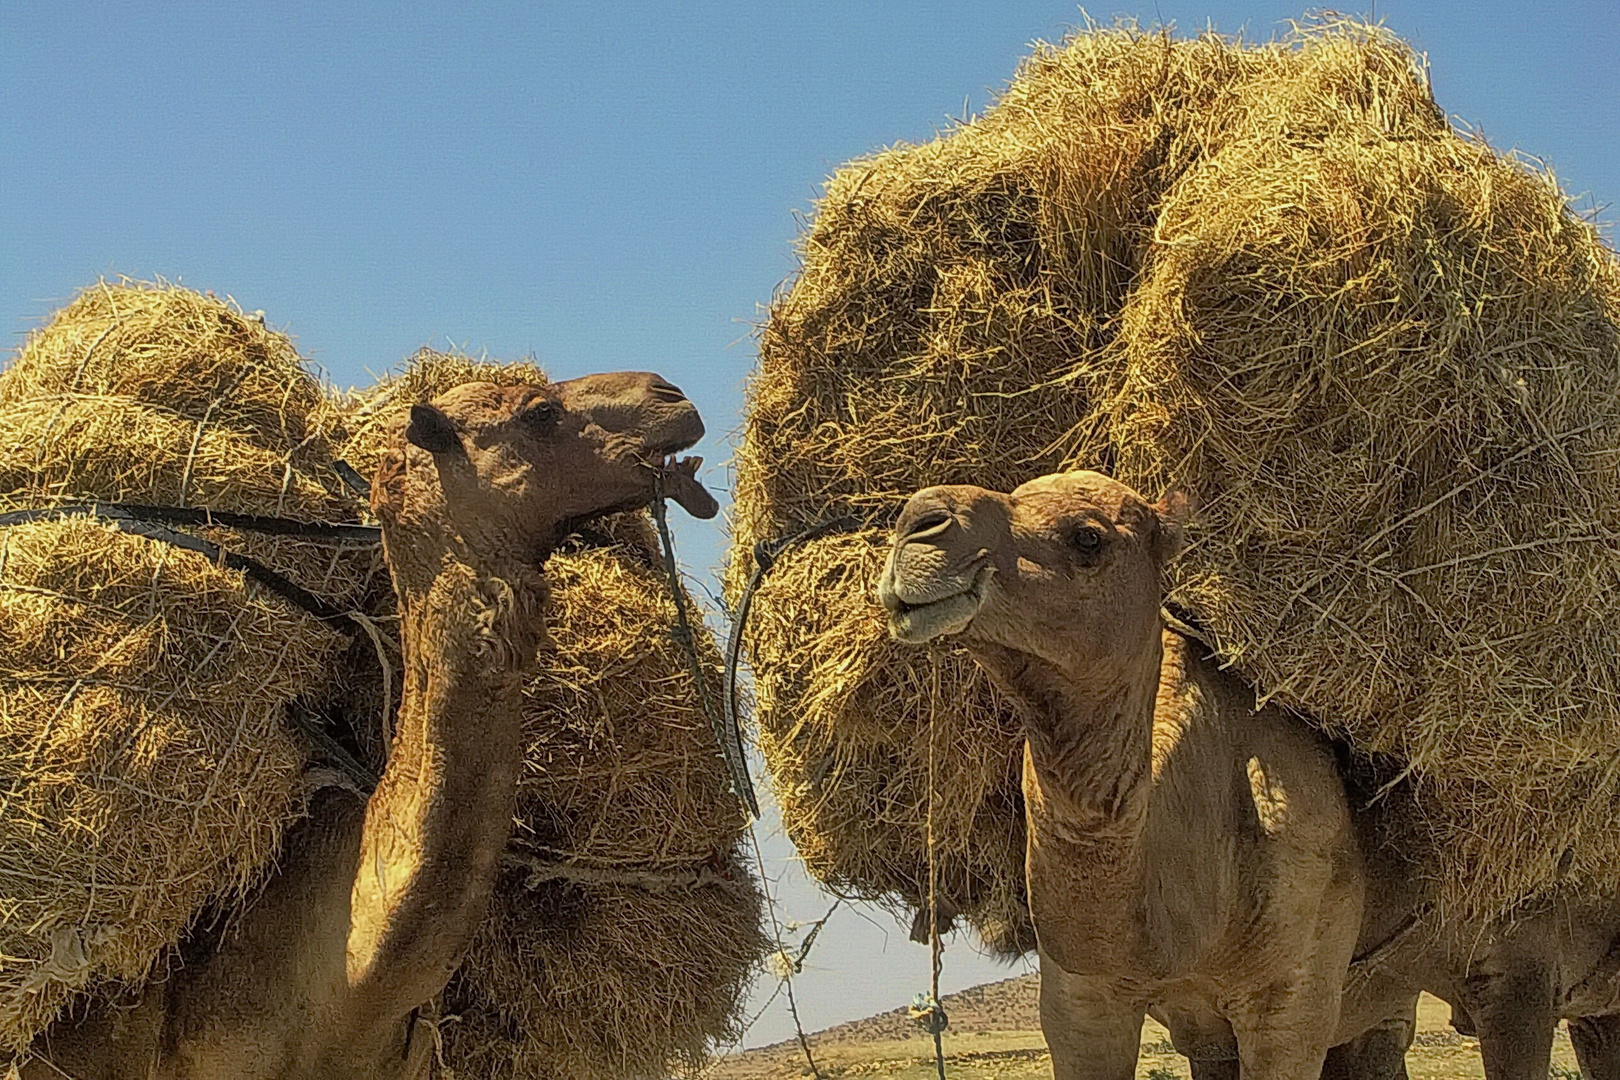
<point x="541" y="417"/>
<point x="1088" y="542"/>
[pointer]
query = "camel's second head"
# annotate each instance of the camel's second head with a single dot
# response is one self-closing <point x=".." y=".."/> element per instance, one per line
<point x="1067" y="567"/>
<point x="518" y="467"/>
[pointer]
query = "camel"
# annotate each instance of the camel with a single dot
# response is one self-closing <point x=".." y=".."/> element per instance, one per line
<point x="1196" y="858"/>
<point x="376" y="899"/>
<point x="1185" y="854"/>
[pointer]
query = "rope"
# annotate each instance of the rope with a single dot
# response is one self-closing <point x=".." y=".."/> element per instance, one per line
<point x="648" y="880"/>
<point x="124" y="517"/>
<point x="927" y="1011"/>
<point x="791" y="968"/>
<point x="199" y="517"/>
<point x="727" y="732"/>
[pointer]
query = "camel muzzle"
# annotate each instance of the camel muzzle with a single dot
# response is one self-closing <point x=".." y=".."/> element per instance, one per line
<point x="649" y="409"/>
<point x="934" y="580"/>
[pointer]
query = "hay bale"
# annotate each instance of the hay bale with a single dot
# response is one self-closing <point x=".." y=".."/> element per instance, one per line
<point x="1272" y="273"/>
<point x="577" y="972"/>
<point x="180" y="351"/>
<point x="146" y="766"/>
<point x="596" y="982"/>
<point x="950" y="324"/>
<point x="844" y="723"/>
<point x="1390" y="369"/>
<point x="574" y="973"/>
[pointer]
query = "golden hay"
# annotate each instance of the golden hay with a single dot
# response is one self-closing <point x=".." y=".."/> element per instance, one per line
<point x="180" y="351"/>
<point x="1391" y="373"/>
<point x="846" y="726"/>
<point x="594" y="979"/>
<point x="145" y="760"/>
<point x="600" y="982"/>
<point x="573" y="975"/>
<point x="1381" y="357"/>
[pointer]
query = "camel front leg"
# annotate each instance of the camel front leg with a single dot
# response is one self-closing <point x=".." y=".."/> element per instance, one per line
<point x="1378" y="1054"/>
<point x="1202" y="1036"/>
<point x="1091" y="1033"/>
<point x="1284" y="1030"/>
<point x="1597" y="1046"/>
<point x="1515" y="1013"/>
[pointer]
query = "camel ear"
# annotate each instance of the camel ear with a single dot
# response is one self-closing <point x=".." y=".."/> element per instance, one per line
<point x="1173" y="512"/>
<point x="432" y="430"/>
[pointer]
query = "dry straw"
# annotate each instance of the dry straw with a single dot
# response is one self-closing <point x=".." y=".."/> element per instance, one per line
<point x="145" y="762"/>
<point x="625" y="929"/>
<point x="1382" y="357"/>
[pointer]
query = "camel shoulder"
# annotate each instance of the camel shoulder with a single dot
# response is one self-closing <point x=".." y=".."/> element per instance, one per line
<point x="1280" y="769"/>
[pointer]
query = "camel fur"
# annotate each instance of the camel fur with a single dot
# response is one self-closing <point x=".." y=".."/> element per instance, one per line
<point x="327" y="973"/>
<point x="1184" y="853"/>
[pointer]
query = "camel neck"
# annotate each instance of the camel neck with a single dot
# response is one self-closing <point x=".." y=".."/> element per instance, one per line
<point x="1090" y="741"/>
<point x="1088" y="780"/>
<point x="437" y="824"/>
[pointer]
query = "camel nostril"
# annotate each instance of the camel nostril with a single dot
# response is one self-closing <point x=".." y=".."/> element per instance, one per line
<point x="664" y="391"/>
<point x="927" y="526"/>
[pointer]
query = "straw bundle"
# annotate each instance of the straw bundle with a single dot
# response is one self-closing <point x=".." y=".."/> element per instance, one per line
<point x="625" y="928"/>
<point x="145" y="761"/>
<point x="1272" y="274"/>
<point x="1391" y="372"/>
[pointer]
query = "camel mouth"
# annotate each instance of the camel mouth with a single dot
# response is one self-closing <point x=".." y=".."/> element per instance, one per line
<point x="916" y="622"/>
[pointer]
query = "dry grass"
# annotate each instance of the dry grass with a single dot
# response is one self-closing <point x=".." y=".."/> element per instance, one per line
<point x="146" y="767"/>
<point x="1389" y="372"/>
<point x="845" y="726"/>
<point x="1382" y="357"/>
<point x="599" y="982"/>
<point x="145" y="762"/>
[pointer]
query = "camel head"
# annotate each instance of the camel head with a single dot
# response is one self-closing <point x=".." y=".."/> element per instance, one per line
<point x="1067" y="568"/>
<point x="504" y="472"/>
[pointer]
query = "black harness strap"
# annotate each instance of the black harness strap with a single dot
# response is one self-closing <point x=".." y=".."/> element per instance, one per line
<point x="199" y="517"/>
<point x="148" y="522"/>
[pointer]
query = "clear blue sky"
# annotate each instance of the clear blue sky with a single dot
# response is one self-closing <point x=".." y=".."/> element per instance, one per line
<point x="601" y="186"/>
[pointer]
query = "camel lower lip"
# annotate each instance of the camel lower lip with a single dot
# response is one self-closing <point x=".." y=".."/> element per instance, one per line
<point x="677" y="478"/>
<point x="946" y="615"/>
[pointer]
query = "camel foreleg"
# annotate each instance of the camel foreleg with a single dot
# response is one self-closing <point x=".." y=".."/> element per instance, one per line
<point x="1378" y="1054"/>
<point x="1597" y="1046"/>
<point x="1091" y="1033"/>
<point x="1515" y="1012"/>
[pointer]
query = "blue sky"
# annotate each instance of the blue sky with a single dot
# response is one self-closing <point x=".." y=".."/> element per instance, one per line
<point x="600" y="186"/>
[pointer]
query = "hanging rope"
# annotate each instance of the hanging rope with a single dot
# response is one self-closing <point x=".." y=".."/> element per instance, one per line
<point x="729" y="741"/>
<point x="926" y="1010"/>
<point x="790" y="966"/>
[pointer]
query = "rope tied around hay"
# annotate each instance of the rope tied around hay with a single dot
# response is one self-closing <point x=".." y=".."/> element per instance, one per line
<point x="727" y="731"/>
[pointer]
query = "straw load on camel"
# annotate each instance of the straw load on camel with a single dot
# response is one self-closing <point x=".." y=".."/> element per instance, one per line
<point x="149" y="765"/>
<point x="151" y="734"/>
<point x="1384" y="360"/>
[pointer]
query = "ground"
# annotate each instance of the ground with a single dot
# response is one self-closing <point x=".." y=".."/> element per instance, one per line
<point x="995" y="1035"/>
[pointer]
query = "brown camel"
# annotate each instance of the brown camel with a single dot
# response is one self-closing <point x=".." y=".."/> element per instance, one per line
<point x="376" y="899"/>
<point x="1188" y="855"/>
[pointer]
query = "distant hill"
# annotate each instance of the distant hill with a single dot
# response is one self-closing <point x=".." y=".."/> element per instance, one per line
<point x="995" y="1035"/>
<point x="1008" y="1005"/>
